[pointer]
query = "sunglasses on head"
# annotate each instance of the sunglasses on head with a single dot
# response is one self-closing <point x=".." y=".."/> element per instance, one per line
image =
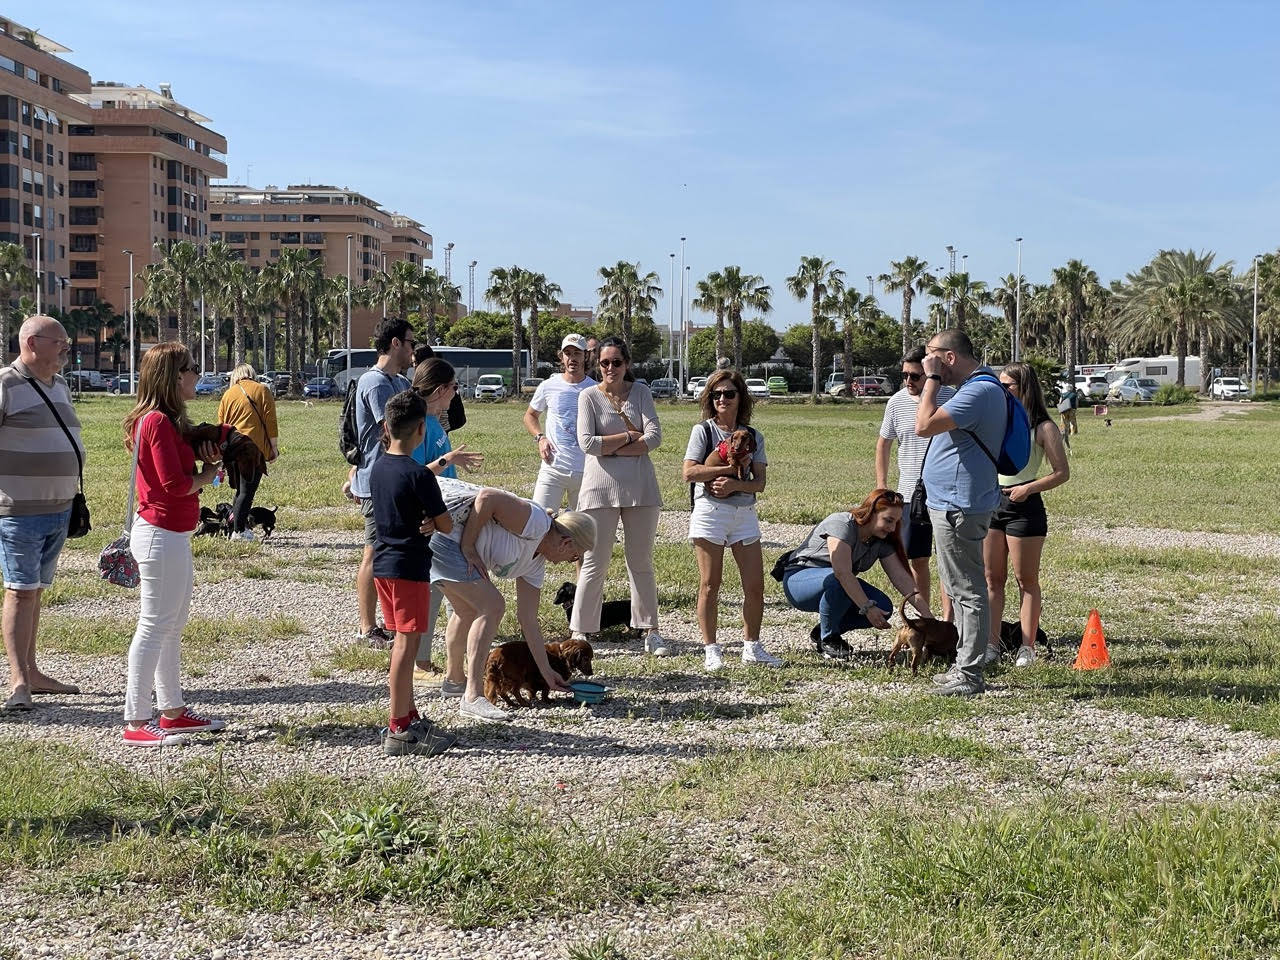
<point x="913" y="377"/>
<point x="723" y="394"/>
<point x="612" y="362"/>
<point x="890" y="499"/>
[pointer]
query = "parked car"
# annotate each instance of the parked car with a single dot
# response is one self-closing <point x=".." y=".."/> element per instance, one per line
<point x="120" y="384"/>
<point x="528" y="385"/>
<point x="757" y="389"/>
<point x="320" y="387"/>
<point x="835" y="385"/>
<point x="1093" y="386"/>
<point x="872" y="387"/>
<point x="1228" y="388"/>
<point x="1132" y="389"/>
<point x="695" y="386"/>
<point x="86" y="380"/>
<point x="277" y="380"/>
<point x="210" y="385"/>
<point x="778" y="387"/>
<point x="491" y="386"/>
<point x="664" y="387"/>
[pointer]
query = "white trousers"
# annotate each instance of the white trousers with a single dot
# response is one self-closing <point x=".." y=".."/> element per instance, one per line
<point x="164" y="562"/>
<point x="552" y="485"/>
<point x="639" y="528"/>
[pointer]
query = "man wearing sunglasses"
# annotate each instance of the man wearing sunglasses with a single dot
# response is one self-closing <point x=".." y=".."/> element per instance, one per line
<point x="900" y="425"/>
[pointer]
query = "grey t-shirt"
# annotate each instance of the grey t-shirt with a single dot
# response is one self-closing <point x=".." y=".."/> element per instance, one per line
<point x="373" y="390"/>
<point x="814" y="553"/>
<point x="698" y="451"/>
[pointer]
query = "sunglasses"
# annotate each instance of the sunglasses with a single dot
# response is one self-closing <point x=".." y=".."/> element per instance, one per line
<point x="890" y="499"/>
<point x="723" y="394"/>
<point x="611" y="362"/>
<point x="913" y="377"/>
<point x="186" y="368"/>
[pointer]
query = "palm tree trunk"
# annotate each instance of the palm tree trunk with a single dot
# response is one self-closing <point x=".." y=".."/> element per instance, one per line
<point x="735" y="317"/>
<point x="719" y="334"/>
<point x="1180" y="347"/>
<point x="315" y="336"/>
<point x="1205" y="369"/>
<point x="906" y="319"/>
<point x="5" y="294"/>
<point x="817" y="346"/>
<point x="1073" y="343"/>
<point x="238" y="334"/>
<point x="515" y="347"/>
<point x="626" y="320"/>
<point x="533" y="340"/>
<point x="431" y="321"/>
<point x="848" y="356"/>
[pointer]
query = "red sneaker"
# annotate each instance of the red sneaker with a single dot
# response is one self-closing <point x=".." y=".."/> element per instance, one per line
<point x="188" y="722"/>
<point x="151" y="736"/>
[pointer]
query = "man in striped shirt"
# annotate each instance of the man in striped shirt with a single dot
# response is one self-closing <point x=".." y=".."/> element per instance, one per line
<point x="39" y="475"/>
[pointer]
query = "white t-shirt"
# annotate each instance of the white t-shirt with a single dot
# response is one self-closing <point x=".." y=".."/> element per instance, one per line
<point x="559" y="400"/>
<point x="509" y="556"/>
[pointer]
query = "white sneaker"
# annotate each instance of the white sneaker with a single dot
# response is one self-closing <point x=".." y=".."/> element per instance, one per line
<point x="756" y="653"/>
<point x="714" y="657"/>
<point x="482" y="709"/>
<point x="243" y="535"/>
<point x="578" y="635"/>
<point x="655" y="644"/>
<point x="1026" y="656"/>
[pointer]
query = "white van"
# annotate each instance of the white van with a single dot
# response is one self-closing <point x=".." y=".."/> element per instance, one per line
<point x="1160" y="369"/>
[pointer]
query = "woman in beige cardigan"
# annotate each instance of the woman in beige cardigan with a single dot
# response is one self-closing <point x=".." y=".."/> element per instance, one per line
<point x="617" y="427"/>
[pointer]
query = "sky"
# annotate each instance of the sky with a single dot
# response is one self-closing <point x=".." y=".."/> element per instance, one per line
<point x="561" y="136"/>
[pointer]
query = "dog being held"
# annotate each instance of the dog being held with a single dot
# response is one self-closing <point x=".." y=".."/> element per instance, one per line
<point x="240" y="455"/>
<point x="510" y="670"/>
<point x="613" y="613"/>
<point x="926" y="638"/>
<point x="735" y="451"/>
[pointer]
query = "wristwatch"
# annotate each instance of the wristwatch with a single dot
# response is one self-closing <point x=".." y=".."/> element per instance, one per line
<point x="862" y="611"/>
<point x="442" y="462"/>
<point x="538" y="437"/>
<point x="933" y="376"/>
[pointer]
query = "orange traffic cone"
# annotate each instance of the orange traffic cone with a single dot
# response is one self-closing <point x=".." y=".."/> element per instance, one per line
<point x="1093" y="648"/>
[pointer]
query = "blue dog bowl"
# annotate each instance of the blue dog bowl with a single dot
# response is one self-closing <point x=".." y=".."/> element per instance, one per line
<point x="588" y="691"/>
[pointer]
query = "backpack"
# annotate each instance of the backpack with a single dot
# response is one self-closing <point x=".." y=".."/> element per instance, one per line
<point x="1015" y="447"/>
<point x="708" y="444"/>
<point x="348" y="435"/>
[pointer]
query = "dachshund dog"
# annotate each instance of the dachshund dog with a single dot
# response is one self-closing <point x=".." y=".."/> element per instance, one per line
<point x="219" y="520"/>
<point x="510" y="670"/>
<point x="211" y="523"/>
<point x="240" y="455"/>
<point x="926" y="638"/>
<point x="613" y="613"/>
<point x="735" y="451"/>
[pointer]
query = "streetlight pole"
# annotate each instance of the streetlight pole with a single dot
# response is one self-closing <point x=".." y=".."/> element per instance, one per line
<point x="671" y="312"/>
<point x="951" y="268"/>
<point x="471" y="286"/>
<point x="202" y="338"/>
<point x="871" y="285"/>
<point x="384" y="295"/>
<point x="688" y="331"/>
<point x="448" y="262"/>
<point x="133" y="384"/>
<point x="1254" y="371"/>
<point x="35" y="237"/>
<point x="964" y="264"/>
<point x="1017" y="307"/>
<point x="684" y="332"/>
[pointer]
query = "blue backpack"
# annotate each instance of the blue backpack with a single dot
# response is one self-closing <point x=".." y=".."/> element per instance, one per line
<point x="1015" y="448"/>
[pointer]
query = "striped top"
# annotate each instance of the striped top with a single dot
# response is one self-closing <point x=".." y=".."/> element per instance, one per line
<point x="38" y="470"/>
<point x="900" y="424"/>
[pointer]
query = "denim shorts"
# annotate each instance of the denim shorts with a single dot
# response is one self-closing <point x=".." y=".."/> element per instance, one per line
<point x="724" y="524"/>
<point x="29" y="548"/>
<point x="448" y="563"/>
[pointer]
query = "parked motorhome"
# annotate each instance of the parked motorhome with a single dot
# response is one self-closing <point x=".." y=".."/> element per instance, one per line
<point x="1160" y="369"/>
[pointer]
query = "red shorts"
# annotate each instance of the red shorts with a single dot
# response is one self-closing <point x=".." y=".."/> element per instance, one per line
<point x="405" y="604"/>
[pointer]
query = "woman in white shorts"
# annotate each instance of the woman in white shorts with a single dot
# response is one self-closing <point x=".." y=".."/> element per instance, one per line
<point x="724" y="515"/>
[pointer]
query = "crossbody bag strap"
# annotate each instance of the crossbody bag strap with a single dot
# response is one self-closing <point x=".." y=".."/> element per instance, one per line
<point x="617" y="408"/>
<point x="707" y="444"/>
<point x="133" y="473"/>
<point x="261" y="419"/>
<point x="57" y="416"/>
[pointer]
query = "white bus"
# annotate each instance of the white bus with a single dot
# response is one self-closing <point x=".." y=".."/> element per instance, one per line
<point x="468" y="363"/>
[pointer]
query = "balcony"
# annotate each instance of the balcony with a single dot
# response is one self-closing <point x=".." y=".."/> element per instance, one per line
<point x="82" y="162"/>
<point x="83" y="217"/>
<point x="83" y="189"/>
<point x="84" y="270"/>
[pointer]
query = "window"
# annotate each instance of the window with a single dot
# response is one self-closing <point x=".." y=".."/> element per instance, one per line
<point x="274" y="254"/>
<point x="235" y="237"/>
<point x="38" y="215"/>
<point x="272" y="217"/>
<point x="313" y="238"/>
<point x="215" y="237"/>
<point x="26" y="180"/>
<point x="26" y="113"/>
<point x="255" y="252"/>
<point x="10" y="65"/>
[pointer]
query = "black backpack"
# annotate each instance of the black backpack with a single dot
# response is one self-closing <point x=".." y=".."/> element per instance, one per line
<point x="348" y="435"/>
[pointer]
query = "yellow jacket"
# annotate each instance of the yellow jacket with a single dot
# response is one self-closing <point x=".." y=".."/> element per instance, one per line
<point x="256" y="419"/>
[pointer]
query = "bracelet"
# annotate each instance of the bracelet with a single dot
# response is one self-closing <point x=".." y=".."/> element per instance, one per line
<point x="862" y="611"/>
<point x="933" y="376"/>
<point x="538" y="437"/>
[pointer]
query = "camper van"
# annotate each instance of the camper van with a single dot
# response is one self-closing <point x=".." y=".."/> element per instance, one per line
<point x="1160" y="369"/>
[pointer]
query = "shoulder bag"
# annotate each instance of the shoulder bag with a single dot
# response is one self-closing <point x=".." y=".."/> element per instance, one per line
<point x="116" y="563"/>
<point x="78" y="522"/>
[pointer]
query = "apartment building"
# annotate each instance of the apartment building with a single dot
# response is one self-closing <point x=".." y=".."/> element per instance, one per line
<point x="139" y="166"/>
<point x="37" y="106"/>
<point x="409" y="241"/>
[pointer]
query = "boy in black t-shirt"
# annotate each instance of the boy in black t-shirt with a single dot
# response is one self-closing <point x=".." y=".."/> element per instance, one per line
<point x="405" y="495"/>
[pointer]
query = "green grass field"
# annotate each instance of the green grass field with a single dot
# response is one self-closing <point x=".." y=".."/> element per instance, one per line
<point x="1128" y="812"/>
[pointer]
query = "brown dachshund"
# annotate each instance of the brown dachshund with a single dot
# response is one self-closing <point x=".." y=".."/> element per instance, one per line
<point x="926" y="638"/>
<point x="510" y="670"/>
<point x="736" y="451"/>
<point x="240" y="455"/>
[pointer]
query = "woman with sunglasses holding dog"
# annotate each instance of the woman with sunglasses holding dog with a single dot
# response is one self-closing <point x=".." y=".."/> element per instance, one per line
<point x="617" y="428"/>
<point x="821" y="575"/>
<point x="724" y="515"/>
<point x="1020" y="524"/>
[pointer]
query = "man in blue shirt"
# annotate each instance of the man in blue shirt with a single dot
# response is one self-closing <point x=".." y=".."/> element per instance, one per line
<point x="960" y="478"/>
<point x="393" y="340"/>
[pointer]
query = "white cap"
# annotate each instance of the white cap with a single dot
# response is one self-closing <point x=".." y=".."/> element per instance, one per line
<point x="575" y="340"/>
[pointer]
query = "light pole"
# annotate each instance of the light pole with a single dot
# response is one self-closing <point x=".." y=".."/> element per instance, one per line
<point x="684" y="338"/>
<point x="62" y="285"/>
<point x="202" y="339"/>
<point x="35" y="237"/>
<point x="688" y="332"/>
<point x="951" y="268"/>
<point x="350" y="237"/>
<point x="471" y="286"/>
<point x="671" y="313"/>
<point x="384" y="293"/>
<point x="871" y="285"/>
<point x="1254" y="371"/>
<point x="964" y="264"/>
<point x="1017" y="307"/>
<point x="133" y="387"/>
<point x="448" y="262"/>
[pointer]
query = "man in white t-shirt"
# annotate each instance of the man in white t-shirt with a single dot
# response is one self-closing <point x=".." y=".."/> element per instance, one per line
<point x="560" y="472"/>
<point x="900" y="425"/>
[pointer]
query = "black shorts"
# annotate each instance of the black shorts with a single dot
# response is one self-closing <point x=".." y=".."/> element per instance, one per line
<point x="1025" y="519"/>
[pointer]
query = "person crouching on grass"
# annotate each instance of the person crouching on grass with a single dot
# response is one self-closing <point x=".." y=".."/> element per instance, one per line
<point x="405" y="494"/>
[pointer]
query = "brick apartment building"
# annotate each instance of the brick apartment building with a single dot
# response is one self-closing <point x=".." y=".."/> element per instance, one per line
<point x="261" y="222"/>
<point x="36" y="109"/>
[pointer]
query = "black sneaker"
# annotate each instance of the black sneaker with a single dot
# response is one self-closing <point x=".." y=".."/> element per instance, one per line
<point x="816" y="636"/>
<point x="835" y="648"/>
<point x="378" y="638"/>
<point x="421" y="738"/>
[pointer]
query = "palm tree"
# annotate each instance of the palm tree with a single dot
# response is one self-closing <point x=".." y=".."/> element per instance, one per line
<point x="238" y="289"/>
<point x="509" y="287"/>
<point x="213" y="265"/>
<point x="817" y="279"/>
<point x="911" y="276"/>
<point x="742" y="291"/>
<point x="710" y="298"/>
<point x="399" y="287"/>
<point x="1005" y="299"/>
<point x="437" y="292"/>
<point x="626" y="293"/>
<point x="541" y="293"/>
<point x="1074" y="287"/>
<point x="851" y="307"/>
<point x="173" y="283"/>
<point x="15" y="274"/>
<point x="294" y="278"/>
<point x="965" y="296"/>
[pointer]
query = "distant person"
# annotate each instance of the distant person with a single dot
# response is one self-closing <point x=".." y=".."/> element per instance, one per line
<point x="617" y="429"/>
<point x="593" y="358"/>
<point x="393" y="339"/>
<point x="456" y="416"/>
<point x="899" y="425"/>
<point x="404" y="495"/>
<point x="1020" y="524"/>
<point x="168" y="487"/>
<point x="250" y="407"/>
<point x="38" y="481"/>
<point x="724" y="515"/>
<point x="1067" y="407"/>
<point x="960" y="481"/>
<point x="562" y="460"/>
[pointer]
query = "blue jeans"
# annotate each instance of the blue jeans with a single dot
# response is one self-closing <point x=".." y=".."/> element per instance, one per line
<point x="816" y="590"/>
<point x="29" y="548"/>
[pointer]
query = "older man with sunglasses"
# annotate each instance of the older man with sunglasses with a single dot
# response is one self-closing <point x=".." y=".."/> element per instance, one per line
<point x="900" y="425"/>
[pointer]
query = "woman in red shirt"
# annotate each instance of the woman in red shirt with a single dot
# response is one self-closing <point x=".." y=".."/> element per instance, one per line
<point x="160" y="539"/>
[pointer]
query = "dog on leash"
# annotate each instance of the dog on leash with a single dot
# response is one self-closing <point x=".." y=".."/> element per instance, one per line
<point x="613" y="613"/>
<point x="218" y="520"/>
<point x="926" y="638"/>
<point x="735" y="451"/>
<point x="510" y="670"/>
